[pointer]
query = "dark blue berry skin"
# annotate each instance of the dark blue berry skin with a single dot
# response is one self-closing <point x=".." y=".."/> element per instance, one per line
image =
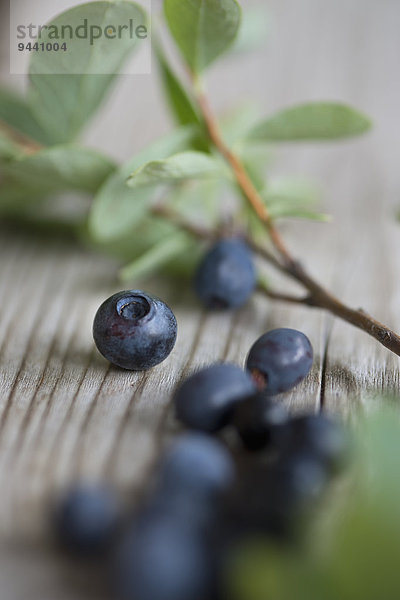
<point x="259" y="421"/>
<point x="226" y="276"/>
<point x="205" y="401"/>
<point x="162" y="559"/>
<point x="280" y="359"/>
<point x="326" y="439"/>
<point x="196" y="464"/>
<point x="87" y="519"/>
<point x="273" y="499"/>
<point x="134" y="330"/>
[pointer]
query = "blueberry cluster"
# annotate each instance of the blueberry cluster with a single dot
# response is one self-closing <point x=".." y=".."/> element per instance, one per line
<point x="209" y="494"/>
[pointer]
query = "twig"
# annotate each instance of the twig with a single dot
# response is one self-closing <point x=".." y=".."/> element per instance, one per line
<point x="317" y="296"/>
<point x="194" y="230"/>
<point x="305" y="300"/>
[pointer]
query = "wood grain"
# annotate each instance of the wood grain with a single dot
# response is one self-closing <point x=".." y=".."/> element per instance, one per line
<point x="66" y="414"/>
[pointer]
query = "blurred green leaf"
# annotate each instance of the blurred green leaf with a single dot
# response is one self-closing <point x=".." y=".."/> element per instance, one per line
<point x="181" y="166"/>
<point x="68" y="87"/>
<point x="293" y="197"/>
<point x="313" y="121"/>
<point x="157" y="256"/>
<point x="57" y="169"/>
<point x="8" y="149"/>
<point x="16" y="197"/>
<point x="180" y="104"/>
<point x="254" y="29"/>
<point x="17" y="113"/>
<point x="203" y="29"/>
<point x="199" y="201"/>
<point x="236" y="123"/>
<point x="117" y="209"/>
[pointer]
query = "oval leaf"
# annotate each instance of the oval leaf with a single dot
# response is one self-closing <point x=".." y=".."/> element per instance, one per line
<point x="67" y="87"/>
<point x="203" y="29"/>
<point x="185" y="165"/>
<point x="17" y="113"/>
<point x="180" y="104"/>
<point x="157" y="256"/>
<point x="116" y="209"/>
<point x="60" y="168"/>
<point x="314" y="121"/>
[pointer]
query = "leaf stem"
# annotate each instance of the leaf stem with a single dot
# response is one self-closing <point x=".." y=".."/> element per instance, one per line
<point x="317" y="296"/>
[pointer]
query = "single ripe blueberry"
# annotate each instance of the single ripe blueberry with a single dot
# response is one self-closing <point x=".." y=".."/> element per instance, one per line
<point x="162" y="559"/>
<point x="258" y="421"/>
<point x="326" y="439"/>
<point x="87" y="518"/>
<point x="226" y="276"/>
<point x="191" y="479"/>
<point x="205" y="400"/>
<point x="134" y="330"/>
<point x="280" y="359"/>
<point x="196" y="464"/>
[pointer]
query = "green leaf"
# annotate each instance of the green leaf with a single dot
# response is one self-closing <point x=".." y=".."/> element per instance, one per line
<point x="157" y="256"/>
<point x="117" y="209"/>
<point x="236" y="123"/>
<point x="180" y="104"/>
<point x="203" y="29"/>
<point x="199" y="201"/>
<point x="254" y="29"/>
<point x="15" y="197"/>
<point x="293" y="197"/>
<point x="68" y="87"/>
<point x="17" y="113"/>
<point x="8" y="149"/>
<point x="314" y="121"/>
<point x="179" y="167"/>
<point x="59" y="168"/>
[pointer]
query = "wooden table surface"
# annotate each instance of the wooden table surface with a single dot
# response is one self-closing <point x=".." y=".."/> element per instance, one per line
<point x="65" y="413"/>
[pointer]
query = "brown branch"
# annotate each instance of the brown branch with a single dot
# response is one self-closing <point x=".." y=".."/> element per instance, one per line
<point x="317" y="296"/>
<point x="243" y="180"/>
<point x="305" y="300"/>
<point x="160" y="210"/>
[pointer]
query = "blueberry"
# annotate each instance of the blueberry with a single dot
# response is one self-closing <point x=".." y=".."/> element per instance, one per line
<point x="134" y="330"/>
<point x="87" y="518"/>
<point x="324" y="438"/>
<point x="273" y="499"/>
<point x="162" y="559"/>
<point x="280" y="359"/>
<point x="258" y="421"/>
<point x="198" y="465"/>
<point x="205" y="400"/>
<point x="226" y="276"/>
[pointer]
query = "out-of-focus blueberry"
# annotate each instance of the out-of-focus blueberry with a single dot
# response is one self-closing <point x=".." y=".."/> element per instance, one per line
<point x="87" y="518"/>
<point x="134" y="330"/>
<point x="257" y="420"/>
<point x="206" y="399"/>
<point x="162" y="559"/>
<point x="280" y="359"/>
<point x="323" y="437"/>
<point x="197" y="463"/>
<point x="226" y="276"/>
